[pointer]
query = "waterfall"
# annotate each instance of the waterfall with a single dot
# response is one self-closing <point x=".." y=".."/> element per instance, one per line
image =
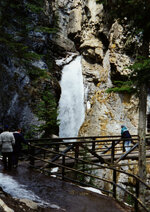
<point x="71" y="104"/>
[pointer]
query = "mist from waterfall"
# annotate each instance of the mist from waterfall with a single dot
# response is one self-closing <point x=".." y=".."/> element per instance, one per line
<point x="71" y="104"/>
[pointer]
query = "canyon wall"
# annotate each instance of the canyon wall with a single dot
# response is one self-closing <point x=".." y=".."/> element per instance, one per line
<point x="106" y="53"/>
<point x="106" y="50"/>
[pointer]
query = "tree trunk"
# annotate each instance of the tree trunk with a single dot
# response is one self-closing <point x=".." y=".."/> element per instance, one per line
<point x="142" y="119"/>
<point x="142" y="140"/>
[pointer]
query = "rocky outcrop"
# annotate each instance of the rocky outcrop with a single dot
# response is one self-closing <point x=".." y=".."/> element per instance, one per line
<point x="106" y="52"/>
<point x="104" y="59"/>
<point x="10" y="204"/>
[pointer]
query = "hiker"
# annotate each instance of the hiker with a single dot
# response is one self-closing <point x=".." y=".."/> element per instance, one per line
<point x="7" y="141"/>
<point x="19" y="139"/>
<point x="125" y="134"/>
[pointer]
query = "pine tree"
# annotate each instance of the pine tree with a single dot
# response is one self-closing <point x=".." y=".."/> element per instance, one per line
<point x="46" y="111"/>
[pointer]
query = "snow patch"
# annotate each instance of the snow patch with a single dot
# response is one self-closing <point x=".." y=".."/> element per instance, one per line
<point x="92" y="189"/>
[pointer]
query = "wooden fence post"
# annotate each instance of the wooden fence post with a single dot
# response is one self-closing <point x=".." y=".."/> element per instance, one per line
<point x="76" y="152"/>
<point x="93" y="145"/>
<point x="32" y="153"/>
<point x="63" y="168"/>
<point x="114" y="171"/>
<point x="112" y="152"/>
<point x="137" y="195"/>
<point x="44" y="155"/>
<point x="114" y="183"/>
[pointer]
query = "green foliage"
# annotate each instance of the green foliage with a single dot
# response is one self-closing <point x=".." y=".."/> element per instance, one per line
<point x="128" y="198"/>
<point x="36" y="73"/>
<point x="31" y="56"/>
<point x="141" y="71"/>
<point x="34" y="8"/>
<point x="46" y="30"/>
<point x="122" y="87"/>
<point x="47" y="113"/>
<point x="30" y="133"/>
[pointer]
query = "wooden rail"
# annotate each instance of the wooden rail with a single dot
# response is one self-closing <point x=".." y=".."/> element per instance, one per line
<point x="77" y="160"/>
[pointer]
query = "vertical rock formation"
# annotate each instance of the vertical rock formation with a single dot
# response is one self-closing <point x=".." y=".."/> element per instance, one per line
<point x="84" y="29"/>
<point x="106" y="52"/>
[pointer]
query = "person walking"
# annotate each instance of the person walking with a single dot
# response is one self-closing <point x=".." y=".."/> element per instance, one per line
<point x="7" y="141"/>
<point x="19" y="139"/>
<point x="125" y="134"/>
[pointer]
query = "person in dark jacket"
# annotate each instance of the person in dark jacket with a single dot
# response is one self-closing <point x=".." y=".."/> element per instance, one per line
<point x="19" y="139"/>
<point x="125" y="134"/>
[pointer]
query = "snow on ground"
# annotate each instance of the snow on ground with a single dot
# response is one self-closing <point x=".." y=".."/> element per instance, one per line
<point x="92" y="189"/>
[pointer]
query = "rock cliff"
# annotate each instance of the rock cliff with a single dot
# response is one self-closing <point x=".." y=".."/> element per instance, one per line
<point x="82" y="28"/>
<point x="26" y="61"/>
<point x="106" y="52"/>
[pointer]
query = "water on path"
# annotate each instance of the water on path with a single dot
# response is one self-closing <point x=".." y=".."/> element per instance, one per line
<point x="23" y="190"/>
<point x="53" y="193"/>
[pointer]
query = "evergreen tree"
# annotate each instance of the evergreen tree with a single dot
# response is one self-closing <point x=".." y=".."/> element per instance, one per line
<point x="47" y="113"/>
<point x="135" y="15"/>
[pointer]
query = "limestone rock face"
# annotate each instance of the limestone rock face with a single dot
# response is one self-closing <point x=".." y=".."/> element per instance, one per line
<point x="75" y="20"/>
<point x="103" y="59"/>
<point x="106" y="54"/>
<point x="117" y="55"/>
<point x="62" y="10"/>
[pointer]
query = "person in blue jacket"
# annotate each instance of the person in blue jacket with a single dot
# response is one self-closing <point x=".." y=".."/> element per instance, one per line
<point x="125" y="134"/>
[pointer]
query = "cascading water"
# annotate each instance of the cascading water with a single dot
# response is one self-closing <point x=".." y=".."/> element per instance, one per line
<point x="71" y="104"/>
<point x="21" y="191"/>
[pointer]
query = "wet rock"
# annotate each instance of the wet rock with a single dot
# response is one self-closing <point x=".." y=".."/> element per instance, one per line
<point x="30" y="203"/>
<point x="4" y="207"/>
<point x="10" y="204"/>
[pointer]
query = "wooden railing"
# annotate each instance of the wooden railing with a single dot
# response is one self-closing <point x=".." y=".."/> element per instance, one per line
<point x="78" y="160"/>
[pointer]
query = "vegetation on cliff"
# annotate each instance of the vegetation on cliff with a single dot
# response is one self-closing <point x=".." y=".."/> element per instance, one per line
<point x="25" y="28"/>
